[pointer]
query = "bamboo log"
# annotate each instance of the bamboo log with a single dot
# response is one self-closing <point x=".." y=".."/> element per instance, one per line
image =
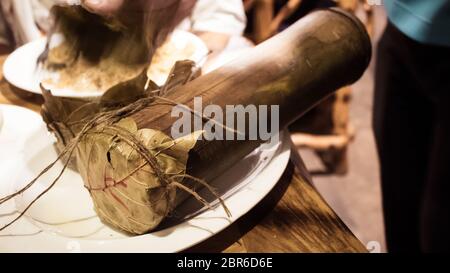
<point x="295" y="70"/>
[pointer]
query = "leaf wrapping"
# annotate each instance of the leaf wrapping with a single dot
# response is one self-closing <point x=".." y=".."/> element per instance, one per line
<point x="127" y="193"/>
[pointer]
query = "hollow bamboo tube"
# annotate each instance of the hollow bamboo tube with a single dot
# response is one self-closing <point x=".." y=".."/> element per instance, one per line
<point x="296" y="69"/>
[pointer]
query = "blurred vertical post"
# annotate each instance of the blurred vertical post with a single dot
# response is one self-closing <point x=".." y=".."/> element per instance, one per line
<point x="264" y="14"/>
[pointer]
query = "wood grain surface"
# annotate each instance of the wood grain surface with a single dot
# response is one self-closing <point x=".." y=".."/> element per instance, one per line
<point x="292" y="218"/>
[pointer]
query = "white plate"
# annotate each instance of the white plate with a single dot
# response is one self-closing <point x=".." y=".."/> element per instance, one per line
<point x="21" y="71"/>
<point x="12" y="140"/>
<point x="1" y="120"/>
<point x="64" y="221"/>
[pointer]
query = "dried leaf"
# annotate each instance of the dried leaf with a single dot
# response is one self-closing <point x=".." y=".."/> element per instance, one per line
<point x="126" y="192"/>
<point x="181" y="73"/>
<point x="127" y="92"/>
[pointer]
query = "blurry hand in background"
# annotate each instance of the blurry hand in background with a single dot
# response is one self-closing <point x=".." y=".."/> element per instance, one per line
<point x="112" y="7"/>
<point x="103" y="7"/>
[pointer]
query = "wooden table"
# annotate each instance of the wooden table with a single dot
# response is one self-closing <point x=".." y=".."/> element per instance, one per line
<point x="292" y="218"/>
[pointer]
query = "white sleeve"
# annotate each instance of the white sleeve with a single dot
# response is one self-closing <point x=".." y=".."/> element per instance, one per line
<point x="223" y="16"/>
<point x="23" y="13"/>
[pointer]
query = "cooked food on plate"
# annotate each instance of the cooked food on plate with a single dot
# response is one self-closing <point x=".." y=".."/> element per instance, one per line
<point x="96" y="54"/>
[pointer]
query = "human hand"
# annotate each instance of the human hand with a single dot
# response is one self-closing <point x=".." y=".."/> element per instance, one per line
<point x="112" y="7"/>
<point x="163" y="13"/>
<point x="103" y="7"/>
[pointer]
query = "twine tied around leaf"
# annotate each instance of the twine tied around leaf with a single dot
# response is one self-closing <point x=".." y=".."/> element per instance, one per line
<point x="106" y="121"/>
